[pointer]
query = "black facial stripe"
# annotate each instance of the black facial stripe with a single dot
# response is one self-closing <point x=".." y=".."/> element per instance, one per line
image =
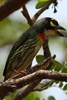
<point x="55" y="22"/>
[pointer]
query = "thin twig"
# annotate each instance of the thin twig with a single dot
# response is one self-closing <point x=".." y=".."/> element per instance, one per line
<point x="43" y="65"/>
<point x="26" y="91"/>
<point x="26" y="15"/>
<point x="35" y="17"/>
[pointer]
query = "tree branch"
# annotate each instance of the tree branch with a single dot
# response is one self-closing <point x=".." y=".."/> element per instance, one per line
<point x="46" y="49"/>
<point x="26" y="15"/>
<point x="26" y="91"/>
<point x="10" y="6"/>
<point x="35" y="17"/>
<point x="12" y="85"/>
<point x="44" y="64"/>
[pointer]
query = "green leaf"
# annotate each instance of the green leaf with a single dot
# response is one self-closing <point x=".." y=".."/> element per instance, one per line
<point x="65" y="87"/>
<point x="61" y="84"/>
<point x="2" y="1"/>
<point x="39" y="58"/>
<point x="65" y="63"/>
<point x="64" y="70"/>
<point x="54" y="64"/>
<point x="43" y="0"/>
<point x="41" y="3"/>
<point x="37" y="98"/>
<point x="32" y="96"/>
<point x="57" y="66"/>
<point x="51" y="98"/>
<point x="55" y="81"/>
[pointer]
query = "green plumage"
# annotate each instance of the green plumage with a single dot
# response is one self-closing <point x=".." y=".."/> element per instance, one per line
<point x="26" y="47"/>
<point x="23" y="52"/>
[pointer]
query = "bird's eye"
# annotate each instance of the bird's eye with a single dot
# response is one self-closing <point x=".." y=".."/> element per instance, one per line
<point x="53" y="23"/>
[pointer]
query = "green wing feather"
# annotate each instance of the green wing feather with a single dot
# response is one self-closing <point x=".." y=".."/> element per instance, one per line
<point x="18" y="43"/>
<point x="29" y="34"/>
<point x="21" y="41"/>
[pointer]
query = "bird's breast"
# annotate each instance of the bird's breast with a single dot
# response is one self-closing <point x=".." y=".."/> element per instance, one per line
<point x="41" y="37"/>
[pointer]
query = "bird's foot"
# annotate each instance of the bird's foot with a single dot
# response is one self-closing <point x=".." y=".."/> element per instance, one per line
<point x="23" y="72"/>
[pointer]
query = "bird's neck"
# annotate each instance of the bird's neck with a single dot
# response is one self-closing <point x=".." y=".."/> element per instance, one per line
<point x="41" y="37"/>
<point x="50" y="33"/>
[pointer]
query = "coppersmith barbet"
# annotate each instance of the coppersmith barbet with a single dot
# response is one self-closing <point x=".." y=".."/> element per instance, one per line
<point x="29" y="43"/>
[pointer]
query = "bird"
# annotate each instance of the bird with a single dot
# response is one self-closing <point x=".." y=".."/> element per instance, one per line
<point x="28" y="44"/>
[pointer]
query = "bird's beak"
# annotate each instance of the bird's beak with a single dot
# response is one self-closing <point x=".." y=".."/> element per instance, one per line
<point x="61" y="31"/>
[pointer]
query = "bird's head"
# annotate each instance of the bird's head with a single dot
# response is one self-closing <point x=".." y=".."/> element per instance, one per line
<point x="51" y="27"/>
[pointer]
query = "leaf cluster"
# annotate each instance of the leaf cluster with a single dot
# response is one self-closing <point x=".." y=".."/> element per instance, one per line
<point x="54" y="66"/>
